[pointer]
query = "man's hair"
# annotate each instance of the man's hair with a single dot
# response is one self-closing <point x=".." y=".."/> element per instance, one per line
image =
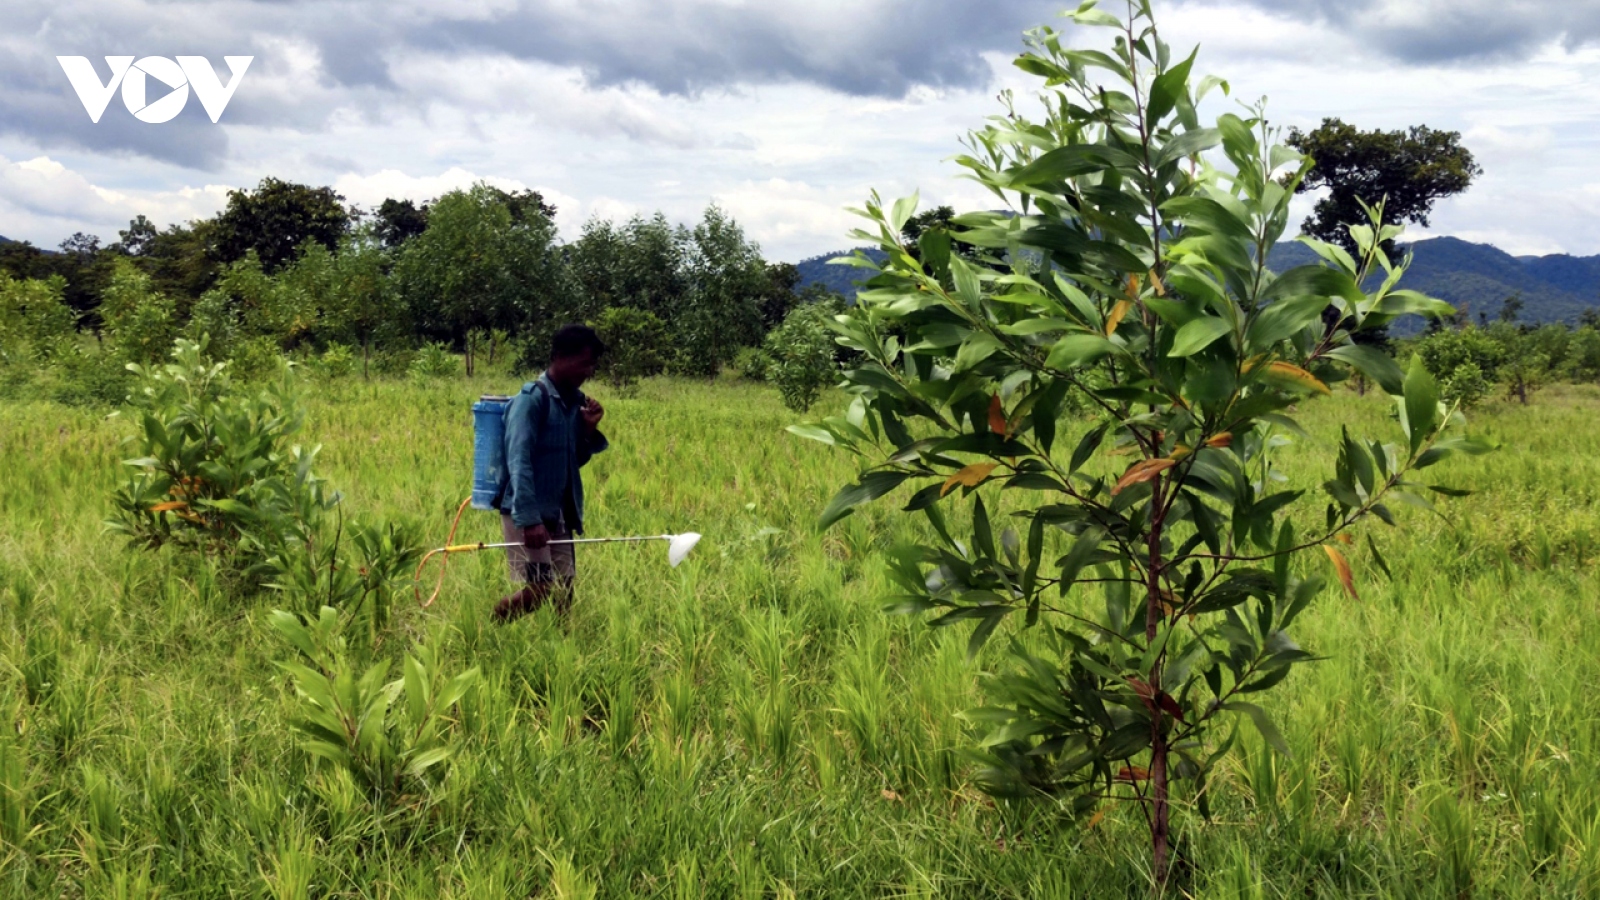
<point x="570" y="340"/>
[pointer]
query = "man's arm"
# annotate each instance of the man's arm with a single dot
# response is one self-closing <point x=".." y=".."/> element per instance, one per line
<point x="590" y="438"/>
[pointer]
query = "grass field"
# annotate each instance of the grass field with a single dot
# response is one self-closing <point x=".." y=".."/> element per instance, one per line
<point x="750" y="724"/>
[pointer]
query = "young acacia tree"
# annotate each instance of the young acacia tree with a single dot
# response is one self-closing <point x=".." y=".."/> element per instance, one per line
<point x="1151" y="553"/>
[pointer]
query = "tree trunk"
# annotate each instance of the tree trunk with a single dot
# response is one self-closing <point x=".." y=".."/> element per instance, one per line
<point x="1160" y="834"/>
<point x="1155" y="612"/>
<point x="1522" y="391"/>
<point x="366" y="353"/>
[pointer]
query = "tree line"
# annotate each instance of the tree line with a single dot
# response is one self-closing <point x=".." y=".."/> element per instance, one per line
<point x="293" y="269"/>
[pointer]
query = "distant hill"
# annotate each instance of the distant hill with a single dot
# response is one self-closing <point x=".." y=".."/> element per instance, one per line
<point x="840" y="279"/>
<point x="1556" y="288"/>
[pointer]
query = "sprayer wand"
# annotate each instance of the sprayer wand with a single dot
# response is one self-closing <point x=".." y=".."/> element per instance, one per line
<point x="678" y="547"/>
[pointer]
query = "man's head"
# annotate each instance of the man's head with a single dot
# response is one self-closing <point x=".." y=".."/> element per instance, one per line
<point x="575" y="350"/>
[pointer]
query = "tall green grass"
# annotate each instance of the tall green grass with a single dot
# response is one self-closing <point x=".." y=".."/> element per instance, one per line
<point x="750" y="724"/>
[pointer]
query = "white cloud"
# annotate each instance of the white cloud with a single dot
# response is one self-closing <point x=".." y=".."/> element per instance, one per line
<point x="784" y="148"/>
<point x="43" y="200"/>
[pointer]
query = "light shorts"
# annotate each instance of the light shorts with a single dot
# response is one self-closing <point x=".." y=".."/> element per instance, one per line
<point x="549" y="563"/>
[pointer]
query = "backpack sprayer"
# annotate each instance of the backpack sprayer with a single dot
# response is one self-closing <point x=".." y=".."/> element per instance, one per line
<point x="488" y="468"/>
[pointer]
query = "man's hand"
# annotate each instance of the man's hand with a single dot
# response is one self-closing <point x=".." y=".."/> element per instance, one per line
<point x="592" y="413"/>
<point x="535" y="537"/>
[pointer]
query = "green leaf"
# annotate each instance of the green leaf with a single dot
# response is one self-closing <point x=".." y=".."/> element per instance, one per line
<point x="426" y="760"/>
<point x="1198" y="335"/>
<point x="901" y="212"/>
<point x="980" y="635"/>
<point x="1383" y="565"/>
<point x="1373" y="363"/>
<point x="1314" y="281"/>
<point x="294" y="631"/>
<point x="1188" y="144"/>
<point x="976" y="350"/>
<point x="1087" y="15"/>
<point x="1168" y="88"/>
<point x="871" y="486"/>
<point x="1421" y="404"/>
<point x="1077" y="350"/>
<point x="1089" y="443"/>
<point x="1263" y="724"/>
<point x="1399" y="303"/>
<point x="1284" y="319"/>
<point x="1082" y="551"/>
<point x="968" y="288"/>
<point x="813" y="433"/>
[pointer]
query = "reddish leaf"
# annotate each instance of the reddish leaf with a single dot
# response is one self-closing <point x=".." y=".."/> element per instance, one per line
<point x="1142" y="471"/>
<point x="1342" y="567"/>
<point x="997" y="417"/>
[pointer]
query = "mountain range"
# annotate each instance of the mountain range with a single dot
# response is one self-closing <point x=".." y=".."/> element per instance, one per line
<point x="1476" y="277"/>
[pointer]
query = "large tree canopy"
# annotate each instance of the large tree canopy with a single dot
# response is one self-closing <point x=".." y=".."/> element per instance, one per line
<point x="276" y="218"/>
<point x="1407" y="170"/>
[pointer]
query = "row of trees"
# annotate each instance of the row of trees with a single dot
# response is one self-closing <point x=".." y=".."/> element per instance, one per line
<point x="1470" y="360"/>
<point x="291" y="269"/>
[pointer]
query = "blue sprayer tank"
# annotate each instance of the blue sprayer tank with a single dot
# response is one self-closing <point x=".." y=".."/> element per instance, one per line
<point x="488" y="448"/>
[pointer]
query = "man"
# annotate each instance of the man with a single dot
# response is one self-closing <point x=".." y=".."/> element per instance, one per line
<point x="552" y="430"/>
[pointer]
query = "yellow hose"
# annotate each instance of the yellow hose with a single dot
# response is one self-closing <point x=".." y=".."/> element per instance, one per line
<point x="416" y="580"/>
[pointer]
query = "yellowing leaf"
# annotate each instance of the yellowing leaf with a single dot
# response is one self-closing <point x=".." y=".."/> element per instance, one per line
<point x="997" y="417"/>
<point x="169" y="505"/>
<point x="1285" y="371"/>
<point x="1342" y="568"/>
<point x="889" y="795"/>
<point x="1142" y="471"/>
<point x="969" y="476"/>
<point x="1155" y="282"/>
<point x="1095" y="819"/>
<point x="1222" y="440"/>
<point x="1133" y="773"/>
<point x="1115" y="319"/>
<point x="1132" y="287"/>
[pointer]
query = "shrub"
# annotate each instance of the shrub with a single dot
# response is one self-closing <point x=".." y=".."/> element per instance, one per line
<point x="214" y="469"/>
<point x="140" y="322"/>
<point x="798" y="355"/>
<point x="338" y="361"/>
<point x="36" y="325"/>
<point x="636" y="344"/>
<point x="751" y="363"/>
<point x="255" y="359"/>
<point x="1443" y="352"/>
<point x="434" y="361"/>
<point x="87" y="378"/>
<point x="1465" y="385"/>
<point x="348" y="717"/>
<point x="1583" y="354"/>
<point x="1150" y="572"/>
<point x="212" y="317"/>
<point x="393" y="360"/>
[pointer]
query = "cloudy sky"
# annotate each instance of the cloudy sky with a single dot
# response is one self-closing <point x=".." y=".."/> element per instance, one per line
<point x="784" y="113"/>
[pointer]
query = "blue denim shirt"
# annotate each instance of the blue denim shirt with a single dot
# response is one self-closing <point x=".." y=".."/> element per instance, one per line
<point x="545" y="446"/>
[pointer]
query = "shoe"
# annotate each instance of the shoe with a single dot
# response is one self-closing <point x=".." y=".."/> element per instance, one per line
<point x="524" y="601"/>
